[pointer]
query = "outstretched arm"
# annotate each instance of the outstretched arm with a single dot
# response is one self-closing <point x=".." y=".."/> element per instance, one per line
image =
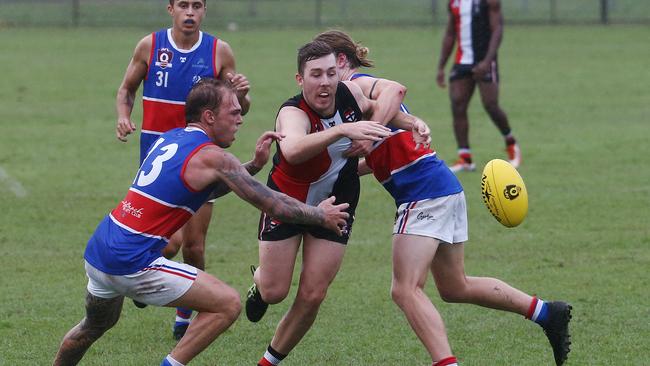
<point x="213" y="165"/>
<point x="262" y="153"/>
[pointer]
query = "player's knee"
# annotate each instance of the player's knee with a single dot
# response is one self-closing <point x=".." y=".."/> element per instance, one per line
<point x="312" y="297"/>
<point x="93" y="330"/>
<point x="452" y="294"/>
<point x="194" y="248"/>
<point x="402" y="293"/>
<point x="274" y="294"/>
<point x="227" y="302"/>
<point x="170" y="251"/>
<point x="458" y="107"/>
<point x="491" y="107"/>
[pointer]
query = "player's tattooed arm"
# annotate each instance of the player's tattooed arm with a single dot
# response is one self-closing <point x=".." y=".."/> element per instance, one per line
<point x="221" y="189"/>
<point x="274" y="203"/>
<point x="261" y="157"/>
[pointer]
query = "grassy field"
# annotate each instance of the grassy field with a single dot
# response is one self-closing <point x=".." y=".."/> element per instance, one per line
<point x="579" y="103"/>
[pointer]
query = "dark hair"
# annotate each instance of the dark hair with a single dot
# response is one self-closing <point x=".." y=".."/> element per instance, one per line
<point x="312" y="51"/>
<point x="171" y="2"/>
<point x="207" y="93"/>
<point x="341" y="42"/>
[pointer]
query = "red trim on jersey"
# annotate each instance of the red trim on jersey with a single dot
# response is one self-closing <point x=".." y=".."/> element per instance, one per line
<point x="187" y="160"/>
<point x="153" y="45"/>
<point x="295" y="179"/>
<point x="393" y="153"/>
<point x="455" y="10"/>
<point x="142" y="214"/>
<point x="161" y="116"/>
<point x="215" y="72"/>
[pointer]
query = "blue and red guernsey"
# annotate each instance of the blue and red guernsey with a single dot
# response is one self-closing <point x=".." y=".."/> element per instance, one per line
<point x="159" y="202"/>
<point x="406" y="173"/>
<point x="472" y="27"/>
<point x="172" y="73"/>
<point x="328" y="173"/>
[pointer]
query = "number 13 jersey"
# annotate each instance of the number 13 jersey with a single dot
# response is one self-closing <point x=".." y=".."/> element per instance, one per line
<point x="158" y="203"/>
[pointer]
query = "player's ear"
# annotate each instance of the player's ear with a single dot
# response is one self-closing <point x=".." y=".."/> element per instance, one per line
<point x="170" y="9"/>
<point x="208" y="116"/>
<point x="341" y="60"/>
<point x="299" y="79"/>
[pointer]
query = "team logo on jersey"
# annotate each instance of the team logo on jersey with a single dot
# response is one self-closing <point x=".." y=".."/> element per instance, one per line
<point x="183" y="59"/>
<point x="200" y="64"/>
<point x="196" y="79"/>
<point x="128" y="209"/>
<point x="164" y="58"/>
<point x="349" y="115"/>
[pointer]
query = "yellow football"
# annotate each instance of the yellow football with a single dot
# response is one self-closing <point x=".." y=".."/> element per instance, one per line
<point x="504" y="192"/>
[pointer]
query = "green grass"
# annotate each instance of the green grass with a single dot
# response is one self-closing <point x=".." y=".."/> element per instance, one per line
<point x="579" y="103"/>
<point x="306" y="13"/>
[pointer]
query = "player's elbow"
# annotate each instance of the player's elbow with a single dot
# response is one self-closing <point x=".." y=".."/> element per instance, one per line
<point x="397" y="89"/>
<point x="293" y="156"/>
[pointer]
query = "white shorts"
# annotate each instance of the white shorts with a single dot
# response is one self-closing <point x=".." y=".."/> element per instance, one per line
<point x="443" y="218"/>
<point x="162" y="282"/>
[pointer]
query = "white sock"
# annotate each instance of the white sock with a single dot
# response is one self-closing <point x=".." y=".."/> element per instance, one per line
<point x="172" y="361"/>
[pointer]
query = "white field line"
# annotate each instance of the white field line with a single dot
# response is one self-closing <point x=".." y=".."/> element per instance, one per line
<point x="12" y="183"/>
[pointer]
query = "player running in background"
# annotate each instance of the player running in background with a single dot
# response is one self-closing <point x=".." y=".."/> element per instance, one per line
<point x="168" y="63"/>
<point x="476" y="26"/>
<point x="184" y="168"/>
<point x="309" y="165"/>
<point x="431" y="225"/>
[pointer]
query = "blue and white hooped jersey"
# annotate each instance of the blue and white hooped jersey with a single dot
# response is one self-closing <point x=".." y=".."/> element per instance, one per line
<point x="158" y="203"/>
<point x="406" y="173"/>
<point x="172" y="73"/>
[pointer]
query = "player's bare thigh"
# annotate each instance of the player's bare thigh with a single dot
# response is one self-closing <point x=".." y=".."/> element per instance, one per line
<point x="321" y="261"/>
<point x="412" y="258"/>
<point x="460" y="92"/>
<point x="489" y="93"/>
<point x="277" y="262"/>
<point x="448" y="266"/>
<point x="207" y="294"/>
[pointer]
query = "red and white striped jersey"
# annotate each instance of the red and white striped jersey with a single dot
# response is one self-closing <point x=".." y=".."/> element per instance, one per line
<point x="472" y="27"/>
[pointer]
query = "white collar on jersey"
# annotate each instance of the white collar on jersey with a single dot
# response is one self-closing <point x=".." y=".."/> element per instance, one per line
<point x="171" y="40"/>
<point x="192" y="129"/>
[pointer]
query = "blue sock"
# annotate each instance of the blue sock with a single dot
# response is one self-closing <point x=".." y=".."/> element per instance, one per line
<point x="538" y="311"/>
<point x="183" y="316"/>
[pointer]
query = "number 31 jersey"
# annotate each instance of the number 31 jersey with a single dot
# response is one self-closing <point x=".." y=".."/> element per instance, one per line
<point x="158" y="203"/>
<point x="172" y="73"/>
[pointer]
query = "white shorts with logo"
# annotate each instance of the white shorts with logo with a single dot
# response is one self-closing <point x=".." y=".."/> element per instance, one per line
<point x="160" y="283"/>
<point x="443" y="218"/>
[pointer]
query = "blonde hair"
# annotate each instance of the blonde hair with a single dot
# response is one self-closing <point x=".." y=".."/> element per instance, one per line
<point x="341" y="42"/>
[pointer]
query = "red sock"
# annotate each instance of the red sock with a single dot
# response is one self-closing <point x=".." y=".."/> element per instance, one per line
<point x="449" y="361"/>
